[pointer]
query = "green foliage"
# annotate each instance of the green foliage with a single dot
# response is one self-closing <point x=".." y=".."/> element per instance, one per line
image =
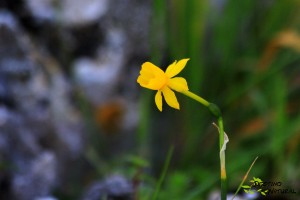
<point x="176" y="186"/>
<point x="257" y="184"/>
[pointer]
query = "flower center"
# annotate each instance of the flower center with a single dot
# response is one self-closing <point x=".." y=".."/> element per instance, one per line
<point x="163" y="80"/>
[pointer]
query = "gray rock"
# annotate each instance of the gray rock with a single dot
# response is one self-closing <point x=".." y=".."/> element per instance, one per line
<point x="45" y="10"/>
<point x="40" y="131"/>
<point x="37" y="179"/>
<point x="134" y="19"/>
<point x="68" y="12"/>
<point x="114" y="187"/>
<point x="46" y="198"/>
<point x="102" y="73"/>
<point x="78" y="12"/>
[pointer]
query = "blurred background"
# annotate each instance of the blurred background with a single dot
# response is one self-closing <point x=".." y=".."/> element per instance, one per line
<point x="74" y="124"/>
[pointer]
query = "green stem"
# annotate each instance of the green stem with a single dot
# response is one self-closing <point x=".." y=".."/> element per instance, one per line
<point x="196" y="97"/>
<point x="214" y="109"/>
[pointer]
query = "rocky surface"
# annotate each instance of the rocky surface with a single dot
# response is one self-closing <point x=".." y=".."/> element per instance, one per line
<point x="40" y="130"/>
<point x="113" y="187"/>
<point x="50" y="50"/>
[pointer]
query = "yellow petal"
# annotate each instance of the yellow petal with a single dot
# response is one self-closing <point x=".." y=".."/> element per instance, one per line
<point x="175" y="68"/>
<point x="146" y="73"/>
<point x="170" y="97"/>
<point x="151" y="77"/>
<point x="142" y="81"/>
<point x="158" y="100"/>
<point x="150" y="67"/>
<point x="178" y="84"/>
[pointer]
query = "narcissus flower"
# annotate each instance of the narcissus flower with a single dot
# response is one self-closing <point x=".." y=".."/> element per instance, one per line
<point x="152" y="77"/>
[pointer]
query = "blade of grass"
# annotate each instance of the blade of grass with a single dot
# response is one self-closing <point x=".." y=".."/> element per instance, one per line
<point x="163" y="174"/>
<point x="244" y="179"/>
<point x="278" y="104"/>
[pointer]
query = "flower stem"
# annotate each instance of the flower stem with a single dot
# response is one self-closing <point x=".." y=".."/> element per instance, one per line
<point x="222" y="160"/>
<point x="196" y="97"/>
<point x="215" y="111"/>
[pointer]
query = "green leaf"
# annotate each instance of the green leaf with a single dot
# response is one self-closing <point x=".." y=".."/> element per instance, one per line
<point x="246" y="186"/>
<point x="257" y="179"/>
<point x="263" y="193"/>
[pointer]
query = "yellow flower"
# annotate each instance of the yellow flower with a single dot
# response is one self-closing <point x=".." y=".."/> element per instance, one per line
<point x="152" y="77"/>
